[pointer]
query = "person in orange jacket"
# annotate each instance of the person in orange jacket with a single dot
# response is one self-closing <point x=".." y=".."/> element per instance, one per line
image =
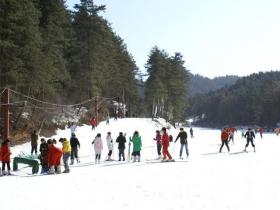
<point x="224" y="138"/>
<point x="93" y="123"/>
<point x="165" y="145"/>
<point x="6" y="156"/>
<point x="54" y="156"/>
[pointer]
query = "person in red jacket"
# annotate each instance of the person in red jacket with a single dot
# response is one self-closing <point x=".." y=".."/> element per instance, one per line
<point x="54" y="156"/>
<point x="165" y="145"/>
<point x="261" y="132"/>
<point x="224" y="138"/>
<point x="6" y="156"/>
<point x="93" y="123"/>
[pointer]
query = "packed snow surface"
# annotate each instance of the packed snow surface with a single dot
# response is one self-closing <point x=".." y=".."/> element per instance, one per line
<point x="206" y="180"/>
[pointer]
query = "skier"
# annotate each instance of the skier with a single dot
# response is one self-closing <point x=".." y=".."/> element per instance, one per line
<point x="261" y="132"/>
<point x="74" y="142"/>
<point x="121" y="140"/>
<point x="98" y="146"/>
<point x="165" y="145"/>
<point x="6" y="157"/>
<point x="184" y="142"/>
<point x="66" y="148"/>
<point x="109" y="145"/>
<point x="137" y="144"/>
<point x="250" y="137"/>
<point x="93" y="123"/>
<point x="242" y="133"/>
<point x="191" y="132"/>
<point x="159" y="145"/>
<point x="44" y="155"/>
<point x="108" y="120"/>
<point x="224" y="138"/>
<point x="34" y="142"/>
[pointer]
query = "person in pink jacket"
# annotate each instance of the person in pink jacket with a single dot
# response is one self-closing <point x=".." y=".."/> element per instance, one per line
<point x="98" y="147"/>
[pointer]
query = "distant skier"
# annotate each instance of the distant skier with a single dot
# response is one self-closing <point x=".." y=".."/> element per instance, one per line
<point x="108" y="120"/>
<point x="250" y="135"/>
<point x="159" y="145"/>
<point x="121" y="140"/>
<point x="224" y="139"/>
<point x="110" y="145"/>
<point x="137" y="144"/>
<point x="73" y="128"/>
<point x="165" y="145"/>
<point x="242" y="133"/>
<point x="93" y="123"/>
<point x="261" y="132"/>
<point x="74" y="142"/>
<point x="66" y="148"/>
<point x="6" y="157"/>
<point x="191" y="132"/>
<point x="34" y="142"/>
<point x="184" y="142"/>
<point x="98" y="147"/>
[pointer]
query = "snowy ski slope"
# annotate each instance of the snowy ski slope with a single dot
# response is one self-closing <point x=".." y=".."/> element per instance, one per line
<point x="207" y="180"/>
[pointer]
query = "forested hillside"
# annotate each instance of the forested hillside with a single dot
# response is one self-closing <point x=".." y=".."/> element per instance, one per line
<point x="201" y="84"/>
<point x="252" y="100"/>
<point x="53" y="56"/>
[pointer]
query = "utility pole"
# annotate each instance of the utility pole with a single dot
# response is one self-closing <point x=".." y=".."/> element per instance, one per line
<point x="96" y="109"/>
<point x="5" y="106"/>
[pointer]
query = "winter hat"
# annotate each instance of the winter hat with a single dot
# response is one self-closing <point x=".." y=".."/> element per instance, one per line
<point x="61" y="140"/>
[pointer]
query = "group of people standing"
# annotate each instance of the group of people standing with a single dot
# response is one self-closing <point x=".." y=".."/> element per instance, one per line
<point x="227" y="135"/>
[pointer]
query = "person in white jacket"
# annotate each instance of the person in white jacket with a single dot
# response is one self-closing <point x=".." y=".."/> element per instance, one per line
<point x="98" y="147"/>
<point x="110" y="145"/>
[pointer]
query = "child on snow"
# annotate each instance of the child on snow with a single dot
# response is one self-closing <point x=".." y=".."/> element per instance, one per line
<point x="44" y="155"/>
<point x="165" y="145"/>
<point x="159" y="146"/>
<point x="121" y="140"/>
<point x="66" y="148"/>
<point x="109" y="145"/>
<point x="98" y="146"/>
<point x="6" y="157"/>
<point x="137" y="144"/>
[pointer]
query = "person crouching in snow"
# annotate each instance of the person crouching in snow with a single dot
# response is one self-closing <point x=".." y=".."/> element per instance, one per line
<point x="137" y="144"/>
<point x="6" y="157"/>
<point x="224" y="138"/>
<point x="110" y="145"/>
<point x="43" y="157"/>
<point x="165" y="145"/>
<point x="98" y="146"/>
<point x="54" y="156"/>
<point x="66" y="148"/>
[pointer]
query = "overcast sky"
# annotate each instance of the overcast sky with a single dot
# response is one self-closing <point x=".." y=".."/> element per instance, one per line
<point x="216" y="37"/>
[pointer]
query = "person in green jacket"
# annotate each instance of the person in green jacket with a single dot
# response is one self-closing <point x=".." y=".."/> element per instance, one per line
<point x="137" y="144"/>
